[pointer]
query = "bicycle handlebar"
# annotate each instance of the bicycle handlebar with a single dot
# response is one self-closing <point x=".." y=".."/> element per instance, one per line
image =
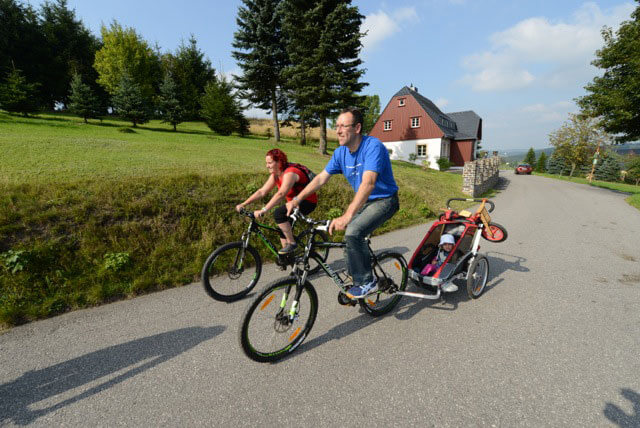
<point x="491" y="204"/>
<point x="324" y="224"/>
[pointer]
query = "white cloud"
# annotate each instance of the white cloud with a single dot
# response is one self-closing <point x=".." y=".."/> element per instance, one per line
<point x="563" y="50"/>
<point x="548" y="113"/>
<point x="442" y="102"/>
<point x="380" y="26"/>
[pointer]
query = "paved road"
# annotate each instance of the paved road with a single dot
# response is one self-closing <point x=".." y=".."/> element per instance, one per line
<point x="555" y="340"/>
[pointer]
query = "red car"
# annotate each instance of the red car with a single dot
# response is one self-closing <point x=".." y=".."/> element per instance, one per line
<point x="523" y="168"/>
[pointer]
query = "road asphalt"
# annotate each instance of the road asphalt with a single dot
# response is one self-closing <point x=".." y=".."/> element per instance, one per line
<point x="553" y="341"/>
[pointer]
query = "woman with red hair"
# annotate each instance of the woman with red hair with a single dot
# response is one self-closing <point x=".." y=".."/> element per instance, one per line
<point x="289" y="180"/>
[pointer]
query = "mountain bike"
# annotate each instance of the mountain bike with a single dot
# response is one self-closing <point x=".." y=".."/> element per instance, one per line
<point x="232" y="270"/>
<point x="281" y="316"/>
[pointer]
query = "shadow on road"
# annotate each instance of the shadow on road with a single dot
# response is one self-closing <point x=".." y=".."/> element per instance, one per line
<point x="618" y="416"/>
<point x="117" y="363"/>
<point x="502" y="183"/>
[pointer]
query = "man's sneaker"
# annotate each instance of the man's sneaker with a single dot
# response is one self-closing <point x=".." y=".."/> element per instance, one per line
<point x="290" y="248"/>
<point x="449" y="287"/>
<point x="360" y="291"/>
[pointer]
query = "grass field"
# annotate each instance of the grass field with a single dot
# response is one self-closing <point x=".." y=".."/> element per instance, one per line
<point x="90" y="214"/>
<point x="633" y="199"/>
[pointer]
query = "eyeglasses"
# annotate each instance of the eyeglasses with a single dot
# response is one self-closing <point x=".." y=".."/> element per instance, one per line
<point x="344" y="126"/>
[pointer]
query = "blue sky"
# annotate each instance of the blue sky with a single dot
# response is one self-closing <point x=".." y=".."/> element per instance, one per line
<point x="517" y="64"/>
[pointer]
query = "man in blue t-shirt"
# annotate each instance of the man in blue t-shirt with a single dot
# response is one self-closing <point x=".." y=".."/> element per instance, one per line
<point x="364" y="161"/>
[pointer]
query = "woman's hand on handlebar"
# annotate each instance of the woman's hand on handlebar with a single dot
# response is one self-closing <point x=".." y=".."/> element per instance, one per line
<point x="258" y="213"/>
<point x="239" y="208"/>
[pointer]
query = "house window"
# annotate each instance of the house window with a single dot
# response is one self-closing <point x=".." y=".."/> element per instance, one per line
<point x="415" y="122"/>
<point x="401" y="102"/>
<point x="387" y="125"/>
<point x="421" y="150"/>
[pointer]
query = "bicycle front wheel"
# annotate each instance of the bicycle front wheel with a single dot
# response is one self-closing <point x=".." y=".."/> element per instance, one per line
<point x="231" y="271"/>
<point x="268" y="331"/>
<point x="391" y="273"/>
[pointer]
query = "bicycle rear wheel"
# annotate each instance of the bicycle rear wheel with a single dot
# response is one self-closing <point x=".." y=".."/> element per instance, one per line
<point x="231" y="271"/>
<point x="391" y="273"/>
<point x="267" y="331"/>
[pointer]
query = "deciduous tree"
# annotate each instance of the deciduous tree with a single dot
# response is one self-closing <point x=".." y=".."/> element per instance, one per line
<point x="613" y="97"/>
<point x="576" y="141"/>
<point x="370" y="111"/>
<point x="125" y="52"/>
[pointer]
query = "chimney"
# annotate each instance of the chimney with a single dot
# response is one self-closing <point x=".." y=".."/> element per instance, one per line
<point x="413" y="88"/>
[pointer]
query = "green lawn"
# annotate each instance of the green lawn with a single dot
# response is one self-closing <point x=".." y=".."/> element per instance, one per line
<point x="90" y="214"/>
<point x="633" y="200"/>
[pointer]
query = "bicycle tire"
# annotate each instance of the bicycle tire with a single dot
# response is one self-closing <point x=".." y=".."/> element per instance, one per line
<point x="477" y="277"/>
<point x="499" y="233"/>
<point x="224" y="261"/>
<point x="266" y="338"/>
<point x="395" y="268"/>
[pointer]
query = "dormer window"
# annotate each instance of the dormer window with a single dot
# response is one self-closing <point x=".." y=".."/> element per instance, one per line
<point x="387" y="125"/>
<point x="401" y="102"/>
<point x="415" y="122"/>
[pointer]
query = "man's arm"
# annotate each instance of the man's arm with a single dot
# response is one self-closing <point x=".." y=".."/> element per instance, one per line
<point x="364" y="191"/>
<point x="319" y="181"/>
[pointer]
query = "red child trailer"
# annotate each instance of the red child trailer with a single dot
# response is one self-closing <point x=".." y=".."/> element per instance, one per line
<point x="463" y="262"/>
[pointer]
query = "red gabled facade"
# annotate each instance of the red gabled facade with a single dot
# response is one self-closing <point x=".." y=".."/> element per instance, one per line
<point x="460" y="130"/>
<point x="400" y="117"/>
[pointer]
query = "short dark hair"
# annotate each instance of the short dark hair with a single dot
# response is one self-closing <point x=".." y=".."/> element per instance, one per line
<point x="357" y="115"/>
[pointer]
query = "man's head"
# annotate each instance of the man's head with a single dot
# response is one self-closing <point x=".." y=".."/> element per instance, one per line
<point x="349" y="126"/>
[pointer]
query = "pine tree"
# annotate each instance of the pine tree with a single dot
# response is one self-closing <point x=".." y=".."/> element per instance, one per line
<point x="323" y="44"/>
<point x="556" y="165"/>
<point x="82" y="100"/>
<point x="221" y="111"/>
<point x="17" y="95"/>
<point x="530" y="157"/>
<point x="129" y="101"/>
<point x="168" y="102"/>
<point x="541" y="164"/>
<point x="261" y="55"/>
<point x="192" y="72"/>
<point x="609" y="169"/>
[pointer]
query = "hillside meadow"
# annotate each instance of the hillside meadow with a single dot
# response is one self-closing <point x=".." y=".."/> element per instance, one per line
<point x="91" y="213"/>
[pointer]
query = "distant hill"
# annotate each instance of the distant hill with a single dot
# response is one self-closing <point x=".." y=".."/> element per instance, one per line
<point x="517" y="155"/>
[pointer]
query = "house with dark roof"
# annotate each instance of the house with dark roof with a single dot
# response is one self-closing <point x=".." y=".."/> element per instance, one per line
<point x="411" y="123"/>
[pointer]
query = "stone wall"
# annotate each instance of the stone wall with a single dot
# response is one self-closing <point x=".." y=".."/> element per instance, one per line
<point x="480" y="175"/>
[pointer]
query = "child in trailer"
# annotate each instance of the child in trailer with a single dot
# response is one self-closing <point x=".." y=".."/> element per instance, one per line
<point x="447" y="242"/>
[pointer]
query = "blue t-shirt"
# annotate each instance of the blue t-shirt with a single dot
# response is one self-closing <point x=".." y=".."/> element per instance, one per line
<point x="372" y="155"/>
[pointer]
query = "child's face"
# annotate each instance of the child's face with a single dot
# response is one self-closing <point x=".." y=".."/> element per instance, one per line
<point x="447" y="247"/>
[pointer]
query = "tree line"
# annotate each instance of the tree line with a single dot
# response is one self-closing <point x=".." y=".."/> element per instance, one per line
<point x="609" y="113"/>
<point x="299" y="60"/>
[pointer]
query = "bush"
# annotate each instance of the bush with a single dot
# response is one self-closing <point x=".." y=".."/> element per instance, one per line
<point x="412" y="157"/>
<point x="443" y="163"/>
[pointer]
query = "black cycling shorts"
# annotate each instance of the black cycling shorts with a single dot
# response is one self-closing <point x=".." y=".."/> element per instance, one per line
<point x="280" y="213"/>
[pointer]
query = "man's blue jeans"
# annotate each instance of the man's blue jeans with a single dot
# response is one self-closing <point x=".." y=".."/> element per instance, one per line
<point x="369" y="218"/>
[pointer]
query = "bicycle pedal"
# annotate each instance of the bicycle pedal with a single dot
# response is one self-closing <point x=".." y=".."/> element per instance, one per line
<point x="345" y="301"/>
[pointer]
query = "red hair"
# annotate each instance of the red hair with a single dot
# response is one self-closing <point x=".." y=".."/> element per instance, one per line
<point x="279" y="157"/>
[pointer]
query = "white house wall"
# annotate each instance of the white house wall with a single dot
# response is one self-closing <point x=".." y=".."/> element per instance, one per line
<point x="402" y="149"/>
